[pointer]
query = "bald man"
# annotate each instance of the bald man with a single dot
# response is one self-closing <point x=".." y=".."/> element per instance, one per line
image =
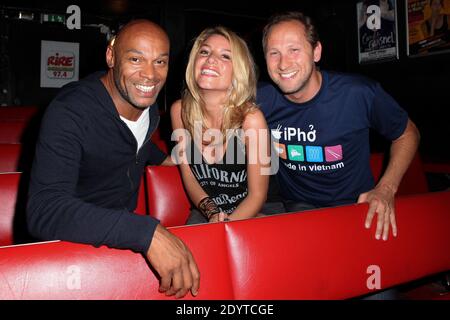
<point x="92" y="149"/>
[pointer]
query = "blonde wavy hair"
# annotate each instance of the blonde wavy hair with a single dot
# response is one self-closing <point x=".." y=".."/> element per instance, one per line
<point x="242" y="95"/>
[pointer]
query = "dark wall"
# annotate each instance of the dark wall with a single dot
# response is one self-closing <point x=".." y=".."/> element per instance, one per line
<point x="420" y="85"/>
<point x="20" y="41"/>
<point x="25" y="44"/>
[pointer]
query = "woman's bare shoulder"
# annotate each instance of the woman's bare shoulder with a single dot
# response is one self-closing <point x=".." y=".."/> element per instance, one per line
<point x="254" y="119"/>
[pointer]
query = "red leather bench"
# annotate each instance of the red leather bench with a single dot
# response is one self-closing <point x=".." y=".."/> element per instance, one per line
<point x="12" y="131"/>
<point x="9" y="211"/>
<point x="10" y="157"/>
<point x="9" y="184"/>
<point x="15" y="157"/>
<point x="19" y="124"/>
<point x="325" y="254"/>
<point x="156" y="139"/>
<point x="437" y="167"/>
<point x="63" y="270"/>
<point x="414" y="181"/>
<point x="18" y="112"/>
<point x="14" y="121"/>
<point x="141" y="207"/>
<point x="321" y="254"/>
<point x="142" y="204"/>
<point x="167" y="200"/>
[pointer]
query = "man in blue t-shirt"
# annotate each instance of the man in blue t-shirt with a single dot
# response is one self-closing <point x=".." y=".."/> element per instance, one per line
<point x="320" y="122"/>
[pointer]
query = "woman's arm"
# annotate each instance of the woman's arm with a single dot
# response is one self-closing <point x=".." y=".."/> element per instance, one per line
<point x="257" y="145"/>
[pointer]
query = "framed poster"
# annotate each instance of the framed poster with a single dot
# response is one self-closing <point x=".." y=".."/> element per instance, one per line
<point x="428" y="26"/>
<point x="59" y="63"/>
<point x="377" y="30"/>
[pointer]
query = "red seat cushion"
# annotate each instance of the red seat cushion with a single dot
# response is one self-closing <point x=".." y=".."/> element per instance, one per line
<point x="167" y="200"/>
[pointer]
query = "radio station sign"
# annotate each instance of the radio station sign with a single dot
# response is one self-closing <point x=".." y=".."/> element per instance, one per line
<point x="59" y="63"/>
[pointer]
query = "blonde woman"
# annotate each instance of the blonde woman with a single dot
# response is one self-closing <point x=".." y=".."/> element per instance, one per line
<point x="223" y="151"/>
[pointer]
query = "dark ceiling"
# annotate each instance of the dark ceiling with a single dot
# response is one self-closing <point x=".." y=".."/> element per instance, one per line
<point x="114" y="8"/>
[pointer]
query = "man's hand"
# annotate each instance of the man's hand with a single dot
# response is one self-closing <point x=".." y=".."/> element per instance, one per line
<point x="381" y="201"/>
<point x="174" y="263"/>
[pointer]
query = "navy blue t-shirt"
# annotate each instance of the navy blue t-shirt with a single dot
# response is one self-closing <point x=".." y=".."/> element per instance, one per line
<point x="323" y="144"/>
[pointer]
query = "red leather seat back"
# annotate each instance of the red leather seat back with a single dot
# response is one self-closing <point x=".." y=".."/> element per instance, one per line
<point x="156" y="139"/>
<point x="414" y="181"/>
<point x="142" y="196"/>
<point x="9" y="185"/>
<point x="18" y="112"/>
<point x="436" y="167"/>
<point x="312" y="255"/>
<point x="9" y="157"/>
<point x="9" y="162"/>
<point x="141" y="207"/>
<point x="208" y="244"/>
<point x="63" y="270"/>
<point x="325" y="254"/>
<point x="376" y="165"/>
<point x="12" y="131"/>
<point x="167" y="200"/>
<point x="161" y="145"/>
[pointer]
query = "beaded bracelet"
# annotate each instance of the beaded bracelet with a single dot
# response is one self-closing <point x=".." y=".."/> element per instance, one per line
<point x="208" y="207"/>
